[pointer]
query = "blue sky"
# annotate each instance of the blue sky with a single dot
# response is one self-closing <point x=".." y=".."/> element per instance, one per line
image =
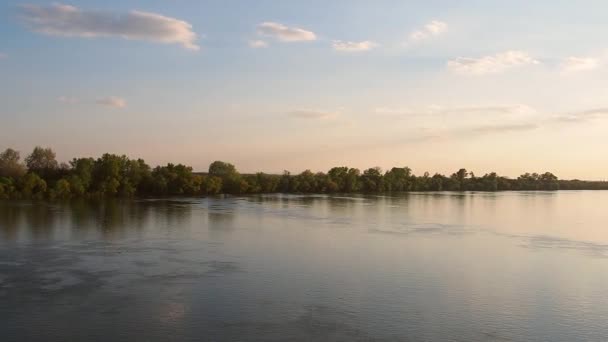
<point x="507" y="86"/>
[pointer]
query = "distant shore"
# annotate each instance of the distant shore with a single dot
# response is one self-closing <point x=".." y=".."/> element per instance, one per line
<point x="41" y="176"/>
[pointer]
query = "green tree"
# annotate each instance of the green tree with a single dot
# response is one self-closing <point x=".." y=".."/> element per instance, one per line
<point x="346" y="179"/>
<point x="8" y="186"/>
<point x="82" y="168"/>
<point x="222" y="169"/>
<point x="267" y="183"/>
<point x="43" y="162"/>
<point x="325" y="184"/>
<point x="62" y="189"/>
<point x="305" y="182"/>
<point x="351" y="183"/>
<point x="528" y="181"/>
<point x="489" y="182"/>
<point x="549" y="181"/>
<point x="232" y="182"/>
<point x="338" y="175"/>
<point x="423" y="183"/>
<point x="372" y="180"/>
<point x="212" y="185"/>
<point x="107" y="174"/>
<point x="175" y="180"/>
<point x="460" y="178"/>
<point x="437" y="182"/>
<point x="32" y="186"/>
<point x="285" y="182"/>
<point x="398" y="179"/>
<point x="76" y="186"/>
<point x="109" y="187"/>
<point x="117" y="175"/>
<point x="10" y="165"/>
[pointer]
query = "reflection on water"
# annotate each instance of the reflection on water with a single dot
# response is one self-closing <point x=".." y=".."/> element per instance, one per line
<point x="107" y="219"/>
<point x="415" y="267"/>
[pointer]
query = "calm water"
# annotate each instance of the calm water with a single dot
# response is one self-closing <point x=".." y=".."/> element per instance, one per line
<point x="417" y="267"/>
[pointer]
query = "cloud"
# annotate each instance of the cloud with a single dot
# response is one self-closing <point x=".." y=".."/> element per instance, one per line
<point x="581" y="116"/>
<point x="575" y="64"/>
<point x="284" y="33"/>
<point x="434" y="131"/>
<point x="257" y="44"/>
<point x="502" y="128"/>
<point x="112" y="101"/>
<point x="432" y="29"/>
<point x="491" y="64"/>
<point x="510" y="110"/>
<point x="593" y="113"/>
<point x="437" y="121"/>
<point x="346" y="46"/>
<point x="488" y="111"/>
<point x="312" y="114"/>
<point x="70" y="21"/>
<point x="67" y="99"/>
<point x="432" y="134"/>
<point x="394" y="112"/>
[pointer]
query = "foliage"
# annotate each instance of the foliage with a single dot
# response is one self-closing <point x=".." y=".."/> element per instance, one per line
<point x="10" y="166"/>
<point x="114" y="175"/>
<point x="43" y="162"/>
<point x="61" y="189"/>
<point x="32" y="186"/>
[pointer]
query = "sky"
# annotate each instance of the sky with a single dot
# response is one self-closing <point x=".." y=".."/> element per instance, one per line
<point x="506" y="86"/>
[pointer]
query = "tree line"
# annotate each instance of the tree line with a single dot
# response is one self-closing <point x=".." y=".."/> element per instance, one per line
<point x="40" y="176"/>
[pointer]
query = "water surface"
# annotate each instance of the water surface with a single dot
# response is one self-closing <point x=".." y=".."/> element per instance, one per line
<point x="511" y="266"/>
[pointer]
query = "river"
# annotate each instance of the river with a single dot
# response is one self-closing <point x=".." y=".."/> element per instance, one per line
<point x="512" y="266"/>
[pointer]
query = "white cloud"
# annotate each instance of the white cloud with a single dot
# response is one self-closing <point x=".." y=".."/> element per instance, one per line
<point x="436" y="27"/>
<point x="574" y="64"/>
<point x="312" y="114"/>
<point x="257" y="44"/>
<point x="432" y="29"/>
<point x="463" y="122"/>
<point x="390" y="111"/>
<point x="112" y="101"/>
<point x="284" y="33"/>
<point x="67" y="99"/>
<point x="70" y="21"/>
<point x="582" y="116"/>
<point x="346" y="46"/>
<point x="491" y="64"/>
<point x="517" y="127"/>
<point x="510" y="110"/>
<point x="460" y="112"/>
<point x="487" y="119"/>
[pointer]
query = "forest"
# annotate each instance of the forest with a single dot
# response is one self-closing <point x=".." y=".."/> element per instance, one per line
<point x="41" y="176"/>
